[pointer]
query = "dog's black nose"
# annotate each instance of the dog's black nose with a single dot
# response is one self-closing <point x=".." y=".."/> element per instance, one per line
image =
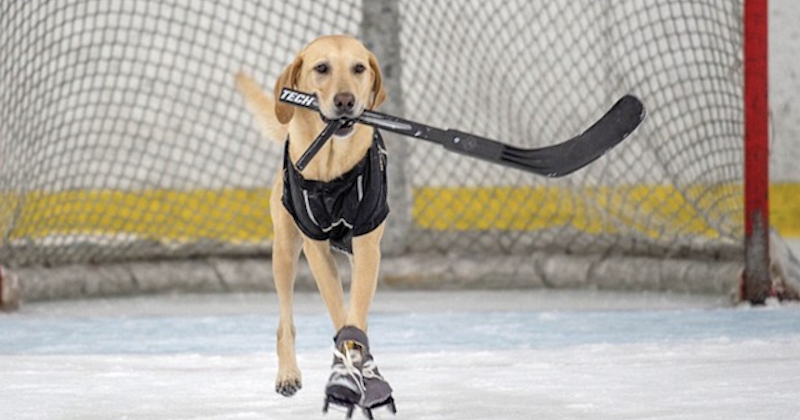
<point x="344" y="102"/>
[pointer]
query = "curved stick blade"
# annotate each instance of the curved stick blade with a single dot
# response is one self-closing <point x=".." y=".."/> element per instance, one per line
<point x="567" y="157"/>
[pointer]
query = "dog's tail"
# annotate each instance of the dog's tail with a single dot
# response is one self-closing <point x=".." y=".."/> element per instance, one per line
<point x="262" y="107"/>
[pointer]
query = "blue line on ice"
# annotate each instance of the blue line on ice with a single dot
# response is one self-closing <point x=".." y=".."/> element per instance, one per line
<point x="248" y="333"/>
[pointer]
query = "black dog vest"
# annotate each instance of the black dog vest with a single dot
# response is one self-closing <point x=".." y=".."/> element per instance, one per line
<point x="350" y="205"/>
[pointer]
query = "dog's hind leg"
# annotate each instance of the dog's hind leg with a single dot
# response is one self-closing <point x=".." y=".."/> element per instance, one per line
<point x="285" y="254"/>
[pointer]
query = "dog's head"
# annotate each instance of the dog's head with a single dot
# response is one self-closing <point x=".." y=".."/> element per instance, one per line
<point x="343" y="74"/>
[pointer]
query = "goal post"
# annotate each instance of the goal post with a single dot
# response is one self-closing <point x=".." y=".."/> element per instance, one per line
<point x="128" y="163"/>
<point x="757" y="284"/>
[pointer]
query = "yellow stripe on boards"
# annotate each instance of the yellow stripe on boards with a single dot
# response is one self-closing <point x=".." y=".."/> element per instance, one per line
<point x="784" y="208"/>
<point x="231" y="215"/>
<point x="242" y="215"/>
<point x="611" y="210"/>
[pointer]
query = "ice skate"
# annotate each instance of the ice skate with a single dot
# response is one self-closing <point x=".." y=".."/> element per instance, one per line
<point x="355" y="380"/>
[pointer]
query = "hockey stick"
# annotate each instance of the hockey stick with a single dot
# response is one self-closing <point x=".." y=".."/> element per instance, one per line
<point x="551" y="161"/>
<point x="318" y="142"/>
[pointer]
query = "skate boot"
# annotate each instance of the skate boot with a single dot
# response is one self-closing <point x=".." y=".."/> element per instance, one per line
<point x="355" y="380"/>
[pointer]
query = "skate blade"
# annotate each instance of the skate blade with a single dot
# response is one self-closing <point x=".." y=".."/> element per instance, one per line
<point x="387" y="402"/>
<point x="346" y="407"/>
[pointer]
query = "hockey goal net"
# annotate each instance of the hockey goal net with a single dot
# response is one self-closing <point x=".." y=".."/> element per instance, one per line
<point x="125" y="150"/>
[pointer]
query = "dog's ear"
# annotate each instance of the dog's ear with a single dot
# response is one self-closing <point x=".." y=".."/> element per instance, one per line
<point x="378" y="91"/>
<point x="287" y="79"/>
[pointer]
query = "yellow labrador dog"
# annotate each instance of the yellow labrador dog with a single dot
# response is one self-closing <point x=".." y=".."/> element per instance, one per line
<point x="337" y="201"/>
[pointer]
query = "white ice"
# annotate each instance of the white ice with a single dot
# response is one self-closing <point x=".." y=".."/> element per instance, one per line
<point x="448" y="355"/>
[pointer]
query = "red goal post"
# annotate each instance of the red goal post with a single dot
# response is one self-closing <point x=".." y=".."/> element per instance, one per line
<point x="757" y="284"/>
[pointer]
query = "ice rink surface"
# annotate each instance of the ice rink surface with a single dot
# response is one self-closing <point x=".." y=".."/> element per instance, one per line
<point x="448" y="355"/>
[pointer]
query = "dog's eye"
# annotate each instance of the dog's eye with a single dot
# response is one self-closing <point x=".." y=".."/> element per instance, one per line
<point x="359" y="68"/>
<point x="321" y="68"/>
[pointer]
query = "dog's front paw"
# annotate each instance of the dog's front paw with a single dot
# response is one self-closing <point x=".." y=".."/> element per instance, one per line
<point x="288" y="383"/>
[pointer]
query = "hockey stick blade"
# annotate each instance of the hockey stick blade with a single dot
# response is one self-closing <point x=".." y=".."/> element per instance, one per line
<point x="551" y="161"/>
<point x="562" y="158"/>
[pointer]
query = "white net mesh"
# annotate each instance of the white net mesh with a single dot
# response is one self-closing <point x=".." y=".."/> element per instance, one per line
<point x="122" y="138"/>
<point x="546" y="72"/>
